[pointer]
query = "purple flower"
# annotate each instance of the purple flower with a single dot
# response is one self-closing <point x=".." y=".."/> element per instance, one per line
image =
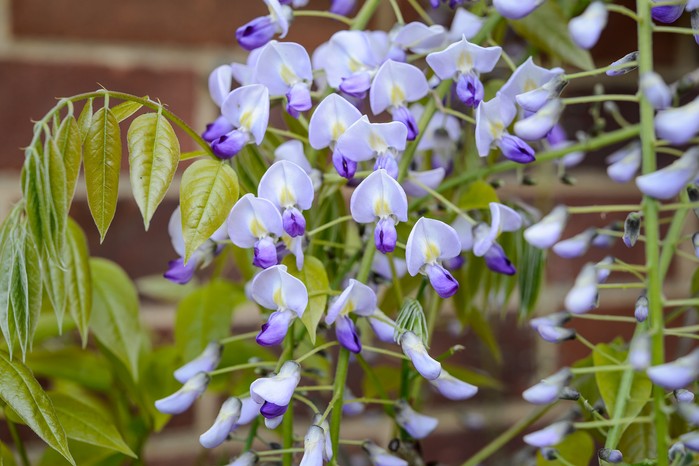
<point x="254" y="222"/>
<point x="383" y="326"/>
<point x="555" y="334"/>
<point x="548" y="390"/>
<point x="465" y="24"/>
<point x="502" y="218"/>
<point x="470" y="89"/>
<point x="610" y="456"/>
<point x="492" y="117"/>
<point x="349" y="57"/>
<point x="690" y="412"/>
<point x="533" y="100"/>
<point x="691" y="440"/>
<point x="364" y="140"/>
<point x="285" y="68"/>
<point x="429" y="242"/>
<point x="347" y="334"/>
<point x="528" y="77"/>
<point x="218" y="128"/>
<point x="181" y="273"/>
<point x="249" y="458"/>
<point x="430" y="178"/>
<point x="676" y="374"/>
<point x="548" y="436"/>
<point x="678" y="125"/>
<point x="414" y="348"/>
<point x="684" y="396"/>
<point x="313" y="447"/>
<point x="205" y="362"/>
<point x="275" y="392"/>
<point x="575" y="246"/>
<point x="420" y="38"/>
<point x="344" y="166"/>
<point x="289" y="188"/>
<point x="182" y="399"/>
<point x="548" y="230"/>
<point x="655" y="90"/>
<point x="230" y="144"/>
<point x="583" y="296"/>
<point x="641" y="308"/>
<point x="514" y="9"/>
<point x="220" y="83"/>
<point x="624" y="65"/>
<point x="330" y="120"/>
<point x="357" y="298"/>
<point x="624" y="163"/>
<point x="351" y="408"/>
<point x="225" y="421"/>
<point x="342" y="7"/>
<point x="667" y="182"/>
<point x="639" y="352"/>
<point x="497" y="261"/>
<point x="260" y="30"/>
<point x="540" y="123"/>
<point x="417" y="425"/>
<point x="667" y="13"/>
<point x="586" y="28"/>
<point x="515" y="149"/>
<point x="274" y="330"/>
<point x="247" y="109"/>
<point x="452" y="388"/>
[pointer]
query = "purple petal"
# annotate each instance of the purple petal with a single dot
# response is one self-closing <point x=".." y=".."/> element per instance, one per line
<point x="274" y="330"/>
<point x="182" y="399"/>
<point x="270" y="410"/>
<point x="294" y="222"/>
<point x="417" y="425"/>
<point x="403" y="115"/>
<point x="347" y="335"/>
<point x="516" y="149"/>
<point x="265" y="253"/>
<point x="470" y="90"/>
<point x="205" y="362"/>
<point x="497" y="261"/>
<point x="256" y="33"/>
<point x="218" y="128"/>
<point x="344" y="166"/>
<point x="357" y="84"/>
<point x="179" y="272"/>
<point x="549" y="436"/>
<point x="388" y="163"/>
<point x="385" y="235"/>
<point x="452" y="388"/>
<point x="224" y="423"/>
<point x="299" y="99"/>
<point x="414" y="348"/>
<point x="667" y="13"/>
<point x="230" y="144"/>
<point x="342" y="7"/>
<point x="442" y="281"/>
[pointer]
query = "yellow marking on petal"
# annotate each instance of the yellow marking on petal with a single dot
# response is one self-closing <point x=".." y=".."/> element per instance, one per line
<point x="349" y="307"/>
<point x="530" y="85"/>
<point x="278" y="299"/>
<point x="496" y="128"/>
<point x="287" y="75"/>
<point x="377" y="143"/>
<point x="286" y="197"/>
<point x="246" y="119"/>
<point x="465" y="62"/>
<point x="257" y="229"/>
<point x="338" y="129"/>
<point x="397" y="95"/>
<point x="431" y="251"/>
<point x="381" y="208"/>
<point x="354" y="64"/>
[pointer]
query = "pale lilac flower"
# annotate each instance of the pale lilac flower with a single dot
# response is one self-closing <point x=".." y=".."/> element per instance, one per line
<point x="516" y="9"/>
<point x="691" y="440"/>
<point x="684" y="396"/>
<point x="497" y="261"/>
<point x="555" y="334"/>
<point x="394" y="86"/>
<point x="502" y="218"/>
<point x="379" y="198"/>
<point x="678" y="125"/>
<point x="452" y="388"/>
<point x="528" y="77"/>
<point x="692" y="5"/>
<point x="260" y="30"/>
<point x="330" y="120"/>
<point x="694" y="23"/>
<point x="610" y="456"/>
<point x="465" y="24"/>
<point x="255" y="223"/>
<point x="575" y="246"/>
<point x="248" y="412"/>
<point x="492" y="119"/>
<point x="357" y="298"/>
<point x="313" y="446"/>
<point x="655" y="90"/>
<point x="695" y="243"/>
<point x="351" y="408"/>
<point x="586" y="28"/>
<point x="624" y="163"/>
<point x="677" y="450"/>
<point x="431" y="241"/>
<point x="430" y="178"/>
<point x="380" y="457"/>
<point x="285" y="68"/>
<point x="381" y="265"/>
<point x="294" y="245"/>
<point x="290" y="189"/>
<point x="583" y="296"/>
<point x="225" y="421"/>
<point x="540" y="123"/>
<point x="464" y="229"/>
<point x="676" y="374"/>
<point x="183" y="398"/>
<point x="219" y="127"/>
<point x="274" y="421"/>
<point x="667" y="13"/>
<point x="548" y="436"/>
<point x="247" y="109"/>
<point x="383" y="326"/>
<point x="243" y="73"/>
<point x="342" y="7"/>
<point x="548" y="390"/>
<point x="249" y="458"/>
<point x="417" y="425"/>
<point x="220" y="83"/>
<point x="292" y="151"/>
<point x="328" y="449"/>
<point x="274" y="288"/>
<point x="639" y="352"/>
<point x="205" y="362"/>
<point x="667" y="182"/>
<point x="275" y="392"/>
<point x="383" y="141"/>
<point x="349" y="61"/>
<point x="414" y="348"/>
<point x="624" y="65"/>
<point x="463" y="62"/>
<point x="533" y="100"/>
<point x="441" y="136"/>
<point x="548" y="230"/>
<point x="420" y="38"/>
<point x="556" y="320"/>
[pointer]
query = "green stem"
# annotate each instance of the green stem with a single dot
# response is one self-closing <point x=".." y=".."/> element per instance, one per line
<point x="286" y="451"/>
<point x="331" y="223"/>
<point x="373" y="349"/>
<point x="251" y="435"/>
<point x="604" y="317"/>
<point x="599" y="98"/>
<point x="396" y="12"/>
<point x="288" y="134"/>
<point x="594" y="209"/>
<point x="364" y="15"/>
<point x="242" y="336"/>
<point x="421" y="12"/>
<point x="595" y="72"/>
<point x="676" y="30"/>
<point x="316" y="350"/>
<point x="672" y="236"/>
<point x="249" y="365"/>
<point x="616" y="421"/>
<point x="622" y="10"/>
<point x="323" y="14"/>
<point x="372" y="400"/>
<point x="595" y="369"/>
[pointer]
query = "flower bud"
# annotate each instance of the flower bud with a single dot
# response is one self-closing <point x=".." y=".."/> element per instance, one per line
<point x="586" y="28"/>
<point x="540" y="124"/>
<point x="453" y="388"/>
<point x="639" y="352"/>
<point x="640" y="310"/>
<point x="516" y="149"/>
<point x="549" y="436"/>
<point x="676" y="374"/>
<point x="691" y="440"/>
<point x="414" y="348"/>
<point x="549" y="229"/>
<point x="469" y="89"/>
<point x="225" y="421"/>
<point x="205" y="362"/>
<point x="610" y="456"/>
<point x="417" y="425"/>
<point x="623" y="65"/>
<point x="684" y="396"/>
<point x="632" y="228"/>
<point x="655" y="90"/>
<point x="575" y="246"/>
<point x="182" y="399"/>
<point x="549" y="389"/>
<point x="667" y="13"/>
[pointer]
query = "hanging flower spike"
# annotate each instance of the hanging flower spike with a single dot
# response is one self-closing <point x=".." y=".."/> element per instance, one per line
<point x="549" y="436"/>
<point x="431" y="241"/>
<point x="667" y="182"/>
<point x="225" y="421"/>
<point x="583" y="296"/>
<point x="379" y="198"/>
<point x="254" y="223"/>
<point x="357" y="298"/>
<point x="260" y="30"/>
<point x="667" y="13"/>
<point x="285" y="68"/>
<point x="247" y="108"/>
<point x="540" y="123"/>
<point x="497" y="261"/>
<point x="182" y="399"/>
<point x="417" y="425"/>
<point x="313" y="447"/>
<point x="502" y="218"/>
<point x="528" y="77"/>
<point x="676" y="374"/>
<point x="380" y="457"/>
<point x="624" y="163"/>
<point x="514" y="9"/>
<point x="249" y="458"/>
<point x="464" y="61"/>
<point x="492" y="119"/>
<point x="655" y="90"/>
<point x="548" y="230"/>
<point x="292" y="151"/>
<point x="586" y="28"/>
<point x="290" y="189"/>
<point x="548" y="390"/>
<point x="420" y="38"/>
<point x="678" y="125"/>
<point x="275" y="392"/>
<point x="452" y="388"/>
<point x="394" y="86"/>
<point x="274" y="288"/>
<point x="205" y="362"/>
<point x="414" y="348"/>
<point x="383" y="141"/>
<point x="575" y="246"/>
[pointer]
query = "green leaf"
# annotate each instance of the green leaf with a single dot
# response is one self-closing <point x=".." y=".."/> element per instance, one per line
<point x="126" y="109"/>
<point x="208" y="190"/>
<point x="193" y="154"/>
<point x="79" y="279"/>
<point x="638" y="442"/>
<point x="6" y="456"/>
<point x="476" y="320"/>
<point x="608" y="382"/>
<point x="53" y="164"/>
<point x="478" y="195"/>
<point x="315" y="277"/>
<point x="25" y="292"/>
<point x="85" y="119"/>
<point x="154" y="152"/>
<point x="546" y="28"/>
<point x="114" y="319"/>
<point x="205" y="316"/>
<point x="84" y="423"/>
<point x="102" y="164"/>
<point x="577" y="449"/>
<point x="530" y="276"/>
<point x="86" y="368"/>
<point x="69" y="142"/>
<point x="157" y="381"/>
<point x="54" y="281"/>
<point x="37" y="198"/>
<point x="20" y="390"/>
<point x="8" y="239"/>
<point x="159" y="288"/>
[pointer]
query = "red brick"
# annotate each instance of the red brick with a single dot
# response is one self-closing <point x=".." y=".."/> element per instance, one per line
<point x="29" y="90"/>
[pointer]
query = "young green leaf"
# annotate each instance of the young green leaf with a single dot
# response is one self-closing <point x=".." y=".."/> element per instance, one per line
<point x="114" y="319"/>
<point x="79" y="279"/>
<point x="126" y="109"/>
<point x="208" y="191"/>
<point x="102" y="163"/>
<point x="84" y="423"/>
<point x="56" y="171"/>
<point x="69" y="142"/>
<point x="25" y="292"/>
<point x="54" y="281"/>
<point x="8" y="234"/>
<point x="315" y="277"/>
<point x="37" y="199"/>
<point x="154" y="152"/>
<point x="577" y="449"/>
<point x="85" y="120"/>
<point x="20" y="390"/>
<point x="6" y="456"/>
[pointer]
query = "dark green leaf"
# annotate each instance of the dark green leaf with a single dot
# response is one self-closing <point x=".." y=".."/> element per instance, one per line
<point x="20" y="390"/>
<point x="207" y="193"/>
<point x="205" y="316"/>
<point x="102" y="164"/>
<point x="315" y="277"/>
<point x="69" y="142"/>
<point x="154" y="152"/>
<point x="114" y="319"/>
<point x="126" y="109"/>
<point x="79" y="279"/>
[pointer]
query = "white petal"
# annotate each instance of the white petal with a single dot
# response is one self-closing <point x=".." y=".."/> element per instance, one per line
<point x="378" y="196"/>
<point x="252" y="218"/>
<point x="286" y="184"/>
<point x="464" y="24"/>
<point x="248" y="107"/>
<point x="220" y="81"/>
<point x="277" y="389"/>
<point x="330" y="120"/>
<point x="357" y="298"/>
<point x="174" y="228"/>
<point x="549" y="229"/>
<point x="274" y="288"/>
<point x="429" y="241"/>
<point x="281" y="65"/>
<point x="292" y="151"/>
<point x="420" y="38"/>
<point x="678" y="125"/>
<point x="395" y="84"/>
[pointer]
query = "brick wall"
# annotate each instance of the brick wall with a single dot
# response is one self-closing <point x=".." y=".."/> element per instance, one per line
<point x="166" y="49"/>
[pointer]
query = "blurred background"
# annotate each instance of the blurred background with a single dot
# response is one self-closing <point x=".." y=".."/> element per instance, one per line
<point x="165" y="49"/>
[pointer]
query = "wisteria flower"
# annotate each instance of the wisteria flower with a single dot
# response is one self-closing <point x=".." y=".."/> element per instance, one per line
<point x="292" y="151"/>
<point x="249" y="458"/>
<point x="256" y="223"/>
<point x="551" y="329"/>
<point x="383" y="326"/>
<point x="540" y="123"/>
<point x="586" y="28"/>
<point x="548" y="436"/>
<point x="548" y="390"/>
<point x="667" y="13"/>
<point x="419" y="37"/>
<point x="497" y="261"/>
<point x="313" y="447"/>
<point x="290" y="189"/>
<point x="285" y="68"/>
<point x="431" y="241"/>
<point x="417" y="425"/>
<point x="492" y="119"/>
<point x="624" y="65"/>
<point x="548" y="230"/>
<point x="676" y="374"/>
<point x="624" y="163"/>
<point x="380" y="457"/>
<point x="275" y="392"/>
<point x="514" y="9"/>
<point x="667" y="182"/>
<point x="533" y="100"/>
<point x="583" y="296"/>
<point x="357" y="298"/>
<point x="225" y="421"/>
<point x="350" y="61"/>
<point x="575" y="246"/>
<point x="414" y="348"/>
<point x="452" y="388"/>
<point x="502" y="218"/>
<point x="205" y="362"/>
<point x="655" y="90"/>
<point x="247" y="109"/>
<point x="260" y="30"/>
<point x="639" y="352"/>
<point x="182" y="399"/>
<point x="678" y="125"/>
<point x="528" y="77"/>
<point x="330" y="120"/>
<point x="274" y="288"/>
<point x="379" y="198"/>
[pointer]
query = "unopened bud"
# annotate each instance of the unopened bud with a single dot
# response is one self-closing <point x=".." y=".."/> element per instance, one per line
<point x="549" y="454"/>
<point x="632" y="227"/>
<point x="610" y="456"/>
<point x="569" y="393"/>
<point x="624" y="65"/>
<point x="693" y="194"/>
<point x="641" y="309"/>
